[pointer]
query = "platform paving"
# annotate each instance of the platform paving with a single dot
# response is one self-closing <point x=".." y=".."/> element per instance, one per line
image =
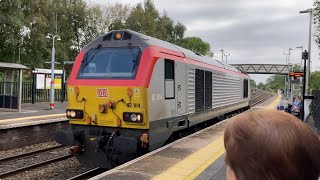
<point x="36" y="109"/>
<point x="32" y="114"/>
<point x="198" y="156"/>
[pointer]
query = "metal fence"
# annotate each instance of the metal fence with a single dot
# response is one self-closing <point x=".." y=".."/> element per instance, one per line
<point x="29" y="92"/>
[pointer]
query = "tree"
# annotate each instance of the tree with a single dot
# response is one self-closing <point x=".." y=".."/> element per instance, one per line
<point x="25" y="24"/>
<point x="276" y="82"/>
<point x="315" y="80"/>
<point x="115" y="16"/>
<point x="146" y="19"/>
<point x="11" y="22"/>
<point x="95" y="24"/>
<point x="179" y="30"/>
<point x="253" y="84"/>
<point x="195" y="44"/>
<point x="261" y="86"/>
<point x="316" y="15"/>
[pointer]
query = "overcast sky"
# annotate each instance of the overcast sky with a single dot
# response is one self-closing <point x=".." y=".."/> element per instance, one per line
<point x="252" y="31"/>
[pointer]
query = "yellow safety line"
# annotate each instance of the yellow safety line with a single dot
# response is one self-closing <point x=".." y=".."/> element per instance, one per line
<point x="194" y="164"/>
<point x="275" y="103"/>
<point x="206" y="164"/>
<point x="32" y="117"/>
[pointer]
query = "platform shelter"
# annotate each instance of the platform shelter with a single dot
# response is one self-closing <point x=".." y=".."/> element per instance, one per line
<point x="11" y="85"/>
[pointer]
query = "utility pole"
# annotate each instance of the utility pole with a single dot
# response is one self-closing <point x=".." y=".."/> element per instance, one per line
<point x="221" y="55"/>
<point x="309" y="48"/>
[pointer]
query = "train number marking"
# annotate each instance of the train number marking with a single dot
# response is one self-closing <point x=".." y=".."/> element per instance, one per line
<point x="102" y="93"/>
<point x="136" y="92"/>
<point x="156" y="97"/>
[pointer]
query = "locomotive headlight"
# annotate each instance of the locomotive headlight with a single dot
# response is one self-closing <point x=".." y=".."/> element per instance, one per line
<point x="133" y="117"/>
<point x="68" y="113"/>
<point x="138" y="117"/>
<point x="72" y="114"/>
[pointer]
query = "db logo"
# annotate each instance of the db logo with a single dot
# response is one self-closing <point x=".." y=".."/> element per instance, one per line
<point x="102" y="93"/>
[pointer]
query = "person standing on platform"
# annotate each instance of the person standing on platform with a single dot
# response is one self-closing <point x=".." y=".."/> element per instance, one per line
<point x="271" y="145"/>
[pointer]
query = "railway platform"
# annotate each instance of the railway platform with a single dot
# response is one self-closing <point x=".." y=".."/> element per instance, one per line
<point x="34" y="124"/>
<point x="198" y="156"/>
<point x="32" y="114"/>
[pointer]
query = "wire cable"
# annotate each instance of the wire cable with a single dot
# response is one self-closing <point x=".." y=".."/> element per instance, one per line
<point x="84" y="105"/>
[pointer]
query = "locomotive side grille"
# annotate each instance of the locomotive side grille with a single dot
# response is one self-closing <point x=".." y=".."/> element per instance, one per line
<point x="208" y="89"/>
<point x="191" y="90"/>
<point x="199" y="90"/>
<point x="225" y="90"/>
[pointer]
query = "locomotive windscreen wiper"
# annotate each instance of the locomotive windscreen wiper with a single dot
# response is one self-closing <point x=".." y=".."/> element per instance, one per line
<point x="133" y="55"/>
<point x="94" y="52"/>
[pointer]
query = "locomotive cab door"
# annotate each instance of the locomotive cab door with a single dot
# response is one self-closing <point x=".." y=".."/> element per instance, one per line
<point x="180" y="86"/>
<point x="175" y="86"/>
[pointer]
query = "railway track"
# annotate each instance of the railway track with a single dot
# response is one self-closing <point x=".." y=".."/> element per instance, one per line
<point x="13" y="165"/>
<point x="259" y="97"/>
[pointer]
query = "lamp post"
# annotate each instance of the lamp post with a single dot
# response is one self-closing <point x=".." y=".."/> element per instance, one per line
<point x="300" y="47"/>
<point x="289" y="78"/>
<point x="309" y="49"/>
<point x="226" y="55"/>
<point x="289" y="57"/>
<point x="53" y="37"/>
<point x="221" y="55"/>
<point x="285" y="79"/>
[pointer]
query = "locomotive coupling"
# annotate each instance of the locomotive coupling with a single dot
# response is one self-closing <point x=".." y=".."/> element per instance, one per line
<point x="74" y="150"/>
<point x="144" y="139"/>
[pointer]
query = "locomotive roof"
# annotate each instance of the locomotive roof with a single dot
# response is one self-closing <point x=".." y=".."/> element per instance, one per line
<point x="148" y="41"/>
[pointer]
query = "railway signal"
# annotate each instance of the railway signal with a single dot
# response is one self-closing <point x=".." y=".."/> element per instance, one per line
<point x="305" y="57"/>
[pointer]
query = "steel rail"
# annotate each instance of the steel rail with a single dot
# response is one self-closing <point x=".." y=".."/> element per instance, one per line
<point x="33" y="166"/>
<point x="29" y="153"/>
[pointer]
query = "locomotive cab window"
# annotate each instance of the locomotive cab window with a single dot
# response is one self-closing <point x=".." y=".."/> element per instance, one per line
<point x="169" y="79"/>
<point x="110" y="63"/>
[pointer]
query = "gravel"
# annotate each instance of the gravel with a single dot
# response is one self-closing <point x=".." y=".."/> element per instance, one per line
<point x="32" y="159"/>
<point x="14" y="152"/>
<point x="59" y="170"/>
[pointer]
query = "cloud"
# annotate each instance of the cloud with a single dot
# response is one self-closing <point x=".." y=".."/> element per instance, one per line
<point x="252" y="31"/>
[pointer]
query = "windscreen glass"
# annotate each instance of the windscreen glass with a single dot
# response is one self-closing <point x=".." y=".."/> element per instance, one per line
<point x="110" y="63"/>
